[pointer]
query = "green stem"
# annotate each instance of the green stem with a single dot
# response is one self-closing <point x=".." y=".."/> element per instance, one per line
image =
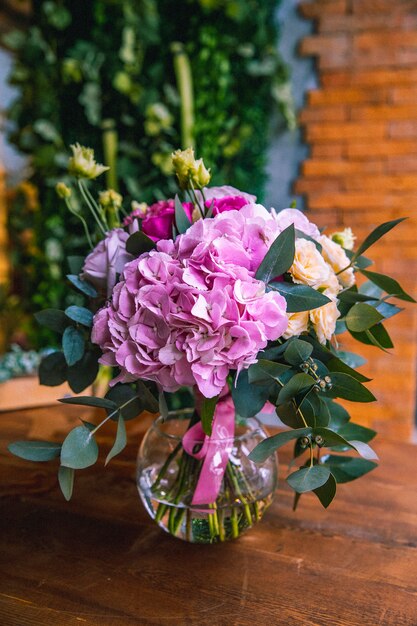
<point x="90" y="206"/>
<point x="165" y="466"/>
<point x="84" y="223"/>
<point x="112" y="414"/>
<point x="182" y="69"/>
<point x="110" y="141"/>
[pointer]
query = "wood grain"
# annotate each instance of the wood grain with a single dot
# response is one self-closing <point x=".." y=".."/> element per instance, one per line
<point x="99" y="560"/>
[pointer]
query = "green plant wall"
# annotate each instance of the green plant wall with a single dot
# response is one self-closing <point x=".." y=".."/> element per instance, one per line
<point x="134" y="79"/>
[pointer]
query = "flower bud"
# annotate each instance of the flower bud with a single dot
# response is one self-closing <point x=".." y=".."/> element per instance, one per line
<point x="344" y="238"/>
<point x="82" y="163"/>
<point x="190" y="172"/>
<point x="110" y="199"/>
<point x="63" y="190"/>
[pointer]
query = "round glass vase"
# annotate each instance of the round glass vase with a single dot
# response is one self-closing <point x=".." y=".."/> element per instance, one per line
<point x="167" y="477"/>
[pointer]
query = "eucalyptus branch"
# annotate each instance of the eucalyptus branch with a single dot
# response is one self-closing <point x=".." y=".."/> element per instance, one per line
<point x="112" y="414"/>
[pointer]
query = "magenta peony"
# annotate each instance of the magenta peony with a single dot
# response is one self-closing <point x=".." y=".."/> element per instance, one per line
<point x="103" y="265"/>
<point x="158" y="219"/>
<point x="190" y="311"/>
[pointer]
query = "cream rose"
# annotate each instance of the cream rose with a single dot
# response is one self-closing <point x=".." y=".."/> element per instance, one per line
<point x="344" y="238"/>
<point x="297" y="324"/>
<point x="309" y="267"/>
<point x="324" y="319"/>
<point x="337" y="258"/>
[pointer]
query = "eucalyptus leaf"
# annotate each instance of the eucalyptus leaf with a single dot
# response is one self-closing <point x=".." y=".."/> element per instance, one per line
<point x="362" y="316"/>
<point x="208" y="407"/>
<point x="289" y="416"/>
<point x="297" y="384"/>
<point x="357" y="432"/>
<point x="337" y="365"/>
<point x="79" y="449"/>
<point x="82" y="285"/>
<point x="66" y="481"/>
<point x="120" y="441"/>
<point x="376" y="234"/>
<point x="268" y="446"/>
<point x="249" y="399"/>
<point x="75" y="264"/>
<point x="80" y="314"/>
<point x="35" y="450"/>
<point x="346" y="387"/>
<point x="102" y="403"/>
<point x="297" y="351"/>
<point x="347" y="468"/>
<point x="138" y="243"/>
<point x="181" y="220"/>
<point x="388" y="284"/>
<point x="73" y="343"/>
<point x="300" y="297"/>
<point x="308" y="478"/>
<point x="326" y="492"/>
<point x="125" y="395"/>
<point x="53" y="369"/>
<point x="54" y="319"/>
<point x="84" y="372"/>
<point x="263" y="371"/>
<point x="376" y="336"/>
<point x="338" y="414"/>
<point x="351" y="359"/>
<point x="279" y="257"/>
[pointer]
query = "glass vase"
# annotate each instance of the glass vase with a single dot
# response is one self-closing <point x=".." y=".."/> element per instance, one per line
<point x="167" y="477"/>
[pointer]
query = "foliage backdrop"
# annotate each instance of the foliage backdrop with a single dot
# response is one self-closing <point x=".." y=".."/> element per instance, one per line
<point x="103" y="73"/>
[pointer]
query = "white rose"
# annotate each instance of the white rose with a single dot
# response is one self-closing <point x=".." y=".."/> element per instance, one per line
<point x="297" y="324"/>
<point x="309" y="267"/>
<point x="324" y="319"/>
<point x="337" y="258"/>
<point x="345" y="238"/>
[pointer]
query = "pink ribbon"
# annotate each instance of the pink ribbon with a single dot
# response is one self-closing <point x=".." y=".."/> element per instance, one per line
<point x="214" y="449"/>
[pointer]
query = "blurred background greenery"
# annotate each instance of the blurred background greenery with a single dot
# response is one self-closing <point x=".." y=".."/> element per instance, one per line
<point x="134" y="79"/>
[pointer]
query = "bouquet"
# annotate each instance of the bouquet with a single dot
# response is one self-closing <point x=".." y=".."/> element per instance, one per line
<point x="243" y="307"/>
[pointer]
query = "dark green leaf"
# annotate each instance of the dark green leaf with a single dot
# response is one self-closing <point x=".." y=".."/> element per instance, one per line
<point x="79" y="314"/>
<point x="138" y="243"/>
<point x="337" y="365"/>
<point x="66" y="481"/>
<point x="75" y="264"/>
<point x="297" y="384"/>
<point x="376" y="234"/>
<point x="249" y="399"/>
<point x="388" y="284"/>
<point x="288" y="414"/>
<point x="84" y="372"/>
<point x="348" y="468"/>
<point x="120" y="441"/>
<point x="79" y="449"/>
<point x="332" y="438"/>
<point x="82" y="285"/>
<point x="208" y="407"/>
<point x="101" y="403"/>
<point x="338" y="414"/>
<point x="310" y="408"/>
<point x="263" y="371"/>
<point x="53" y="370"/>
<point x="360" y="261"/>
<point x="181" y="220"/>
<point x="54" y="319"/>
<point x="149" y="401"/>
<point x="125" y="395"/>
<point x="362" y="316"/>
<point x="308" y="478"/>
<point x="35" y="450"/>
<point x="279" y="257"/>
<point x="346" y="387"/>
<point x="354" y="431"/>
<point x="73" y="345"/>
<point x="326" y="492"/>
<point x="268" y="446"/>
<point x="351" y="359"/>
<point x="300" y="297"/>
<point x="352" y="295"/>
<point x="375" y="336"/>
<point x="297" y="351"/>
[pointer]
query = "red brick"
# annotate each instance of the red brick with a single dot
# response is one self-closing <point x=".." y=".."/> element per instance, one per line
<point x="398" y="182"/>
<point x="385" y="38"/>
<point x="397" y="164"/>
<point x="368" y="23"/>
<point x="327" y="150"/>
<point x="322" y="132"/>
<point x="336" y="113"/>
<point x="370" y="78"/>
<point x="370" y="7"/>
<point x="380" y="149"/>
<point x="404" y="95"/>
<point x="307" y="185"/>
<point x="384" y="112"/>
<point x="403" y="129"/>
<point x="334" y="51"/>
<point x="313" y="10"/>
<point x="330" y="168"/>
<point x="348" y="95"/>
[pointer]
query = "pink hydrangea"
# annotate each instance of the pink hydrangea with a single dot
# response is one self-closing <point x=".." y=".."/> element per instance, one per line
<point x="293" y="216"/>
<point x="190" y="311"/>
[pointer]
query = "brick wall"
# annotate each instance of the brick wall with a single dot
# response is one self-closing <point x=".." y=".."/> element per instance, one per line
<point x="361" y="126"/>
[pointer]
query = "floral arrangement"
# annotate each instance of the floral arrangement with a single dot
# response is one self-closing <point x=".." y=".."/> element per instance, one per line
<point x="244" y="306"/>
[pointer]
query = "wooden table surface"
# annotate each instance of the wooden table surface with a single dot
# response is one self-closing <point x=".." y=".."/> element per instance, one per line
<point x="99" y="560"/>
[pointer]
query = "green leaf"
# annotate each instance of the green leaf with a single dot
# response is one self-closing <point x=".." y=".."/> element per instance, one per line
<point x="362" y="316"/>
<point x="335" y="439"/>
<point x="279" y="257"/>
<point x="300" y="297"/>
<point x="181" y="220"/>
<point x="53" y="369"/>
<point x="376" y="234"/>
<point x="346" y="387"/>
<point x="149" y="401"/>
<point x="80" y="314"/>
<point x="138" y="243"/>
<point x="84" y="372"/>
<point x="348" y="468"/>
<point x="364" y="450"/>
<point x="82" y="285"/>
<point x="357" y="432"/>
<point x="101" y="403"/>
<point x="125" y="394"/>
<point x="338" y="414"/>
<point x="297" y="351"/>
<point x="54" y="319"/>
<point x="35" y="450"/>
<point x="308" y="478"/>
<point x="310" y="408"/>
<point x="79" y="449"/>
<point x="66" y="481"/>
<point x="388" y="284"/>
<point x="268" y="446"/>
<point x="297" y="384"/>
<point x="375" y="336"/>
<point x="73" y="345"/>
<point x="351" y="359"/>
<point x="120" y="441"/>
<point x="208" y="407"/>
<point x="249" y="399"/>
<point x="263" y="371"/>
<point x="337" y="365"/>
<point x="351" y="296"/>
<point x="361" y="261"/>
<point x="300" y="235"/>
<point x="75" y="264"/>
<point x="326" y="492"/>
<point x="288" y="414"/>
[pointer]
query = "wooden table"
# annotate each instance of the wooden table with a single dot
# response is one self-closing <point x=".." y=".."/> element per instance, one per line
<point x="99" y="560"/>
